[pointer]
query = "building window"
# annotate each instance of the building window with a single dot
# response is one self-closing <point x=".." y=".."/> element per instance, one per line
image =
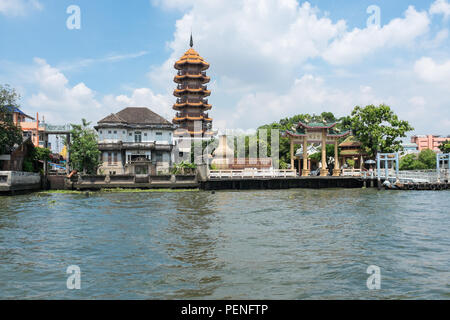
<point x="101" y="131"/>
<point x="145" y="134"/>
<point x="159" y="156"/>
<point x="130" y="134"/>
<point x="159" y="134"/>
<point x="109" y="158"/>
<point x="115" y="132"/>
<point x="115" y="157"/>
<point x="180" y="154"/>
<point x="137" y="137"/>
<point x="109" y="132"/>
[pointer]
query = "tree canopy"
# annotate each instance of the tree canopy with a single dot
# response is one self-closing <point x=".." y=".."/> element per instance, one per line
<point x="84" y="153"/>
<point x="10" y="134"/>
<point x="378" y="128"/>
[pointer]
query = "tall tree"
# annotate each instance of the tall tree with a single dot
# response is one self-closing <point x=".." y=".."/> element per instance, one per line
<point x="10" y="134"/>
<point x="378" y="128"/>
<point x="84" y="153"/>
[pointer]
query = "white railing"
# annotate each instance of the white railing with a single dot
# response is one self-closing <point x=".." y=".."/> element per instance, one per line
<point x="351" y="172"/>
<point x="416" y="176"/>
<point x="251" y="174"/>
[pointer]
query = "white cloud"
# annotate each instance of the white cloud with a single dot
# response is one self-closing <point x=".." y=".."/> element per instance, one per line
<point x="309" y="94"/>
<point x="57" y="100"/>
<point x="355" y="45"/>
<point x="257" y="48"/>
<point x="253" y="40"/>
<point x="440" y="7"/>
<point x="18" y="7"/>
<point x="430" y="71"/>
<point x="48" y="91"/>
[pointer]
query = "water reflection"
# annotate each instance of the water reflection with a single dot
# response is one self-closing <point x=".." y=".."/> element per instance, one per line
<point x="193" y="245"/>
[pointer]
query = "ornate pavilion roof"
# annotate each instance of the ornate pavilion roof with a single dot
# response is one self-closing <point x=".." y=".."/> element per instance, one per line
<point x="302" y="128"/>
<point x="317" y="125"/>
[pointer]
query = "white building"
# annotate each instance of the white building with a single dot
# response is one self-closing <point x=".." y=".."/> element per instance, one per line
<point x="135" y="141"/>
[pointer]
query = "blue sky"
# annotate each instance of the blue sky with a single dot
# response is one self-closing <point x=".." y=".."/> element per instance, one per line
<point x="269" y="59"/>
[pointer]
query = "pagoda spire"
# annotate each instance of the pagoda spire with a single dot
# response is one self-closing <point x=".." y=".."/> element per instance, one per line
<point x="192" y="41"/>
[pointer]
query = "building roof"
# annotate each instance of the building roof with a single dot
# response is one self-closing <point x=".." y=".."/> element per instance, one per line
<point x="14" y="109"/>
<point x="351" y="141"/>
<point x="135" y="115"/>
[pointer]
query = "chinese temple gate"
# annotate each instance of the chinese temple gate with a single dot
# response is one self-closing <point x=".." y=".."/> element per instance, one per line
<point x="316" y="132"/>
<point x="191" y="92"/>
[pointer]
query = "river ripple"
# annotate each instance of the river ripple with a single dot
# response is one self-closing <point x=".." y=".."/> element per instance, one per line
<point x="287" y="244"/>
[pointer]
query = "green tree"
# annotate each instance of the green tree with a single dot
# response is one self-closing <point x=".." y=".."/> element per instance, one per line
<point x="84" y="153"/>
<point x="425" y="160"/>
<point x="407" y="162"/>
<point x="428" y="158"/>
<point x="35" y="154"/>
<point x="445" y="146"/>
<point x="378" y="128"/>
<point x="10" y="134"/>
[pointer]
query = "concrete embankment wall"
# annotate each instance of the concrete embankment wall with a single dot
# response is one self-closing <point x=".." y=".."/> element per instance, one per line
<point x="19" y="181"/>
<point x="282" y="183"/>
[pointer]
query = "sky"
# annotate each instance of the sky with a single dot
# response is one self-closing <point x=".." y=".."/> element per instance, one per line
<point x="270" y="59"/>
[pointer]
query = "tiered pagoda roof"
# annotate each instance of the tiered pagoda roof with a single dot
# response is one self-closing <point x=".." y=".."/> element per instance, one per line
<point x="191" y="57"/>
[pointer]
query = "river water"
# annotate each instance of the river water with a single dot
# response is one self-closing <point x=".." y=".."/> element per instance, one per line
<point x="286" y="244"/>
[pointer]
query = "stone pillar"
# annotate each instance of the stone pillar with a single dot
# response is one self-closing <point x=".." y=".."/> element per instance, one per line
<point x="292" y="155"/>
<point x="305" y="171"/>
<point x="324" y="170"/>
<point x="336" y="170"/>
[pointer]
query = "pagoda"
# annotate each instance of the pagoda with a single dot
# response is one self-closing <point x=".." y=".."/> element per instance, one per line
<point x="191" y="92"/>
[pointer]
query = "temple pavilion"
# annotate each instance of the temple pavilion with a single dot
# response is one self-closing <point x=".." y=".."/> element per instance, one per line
<point x="191" y="92"/>
<point x="316" y="132"/>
